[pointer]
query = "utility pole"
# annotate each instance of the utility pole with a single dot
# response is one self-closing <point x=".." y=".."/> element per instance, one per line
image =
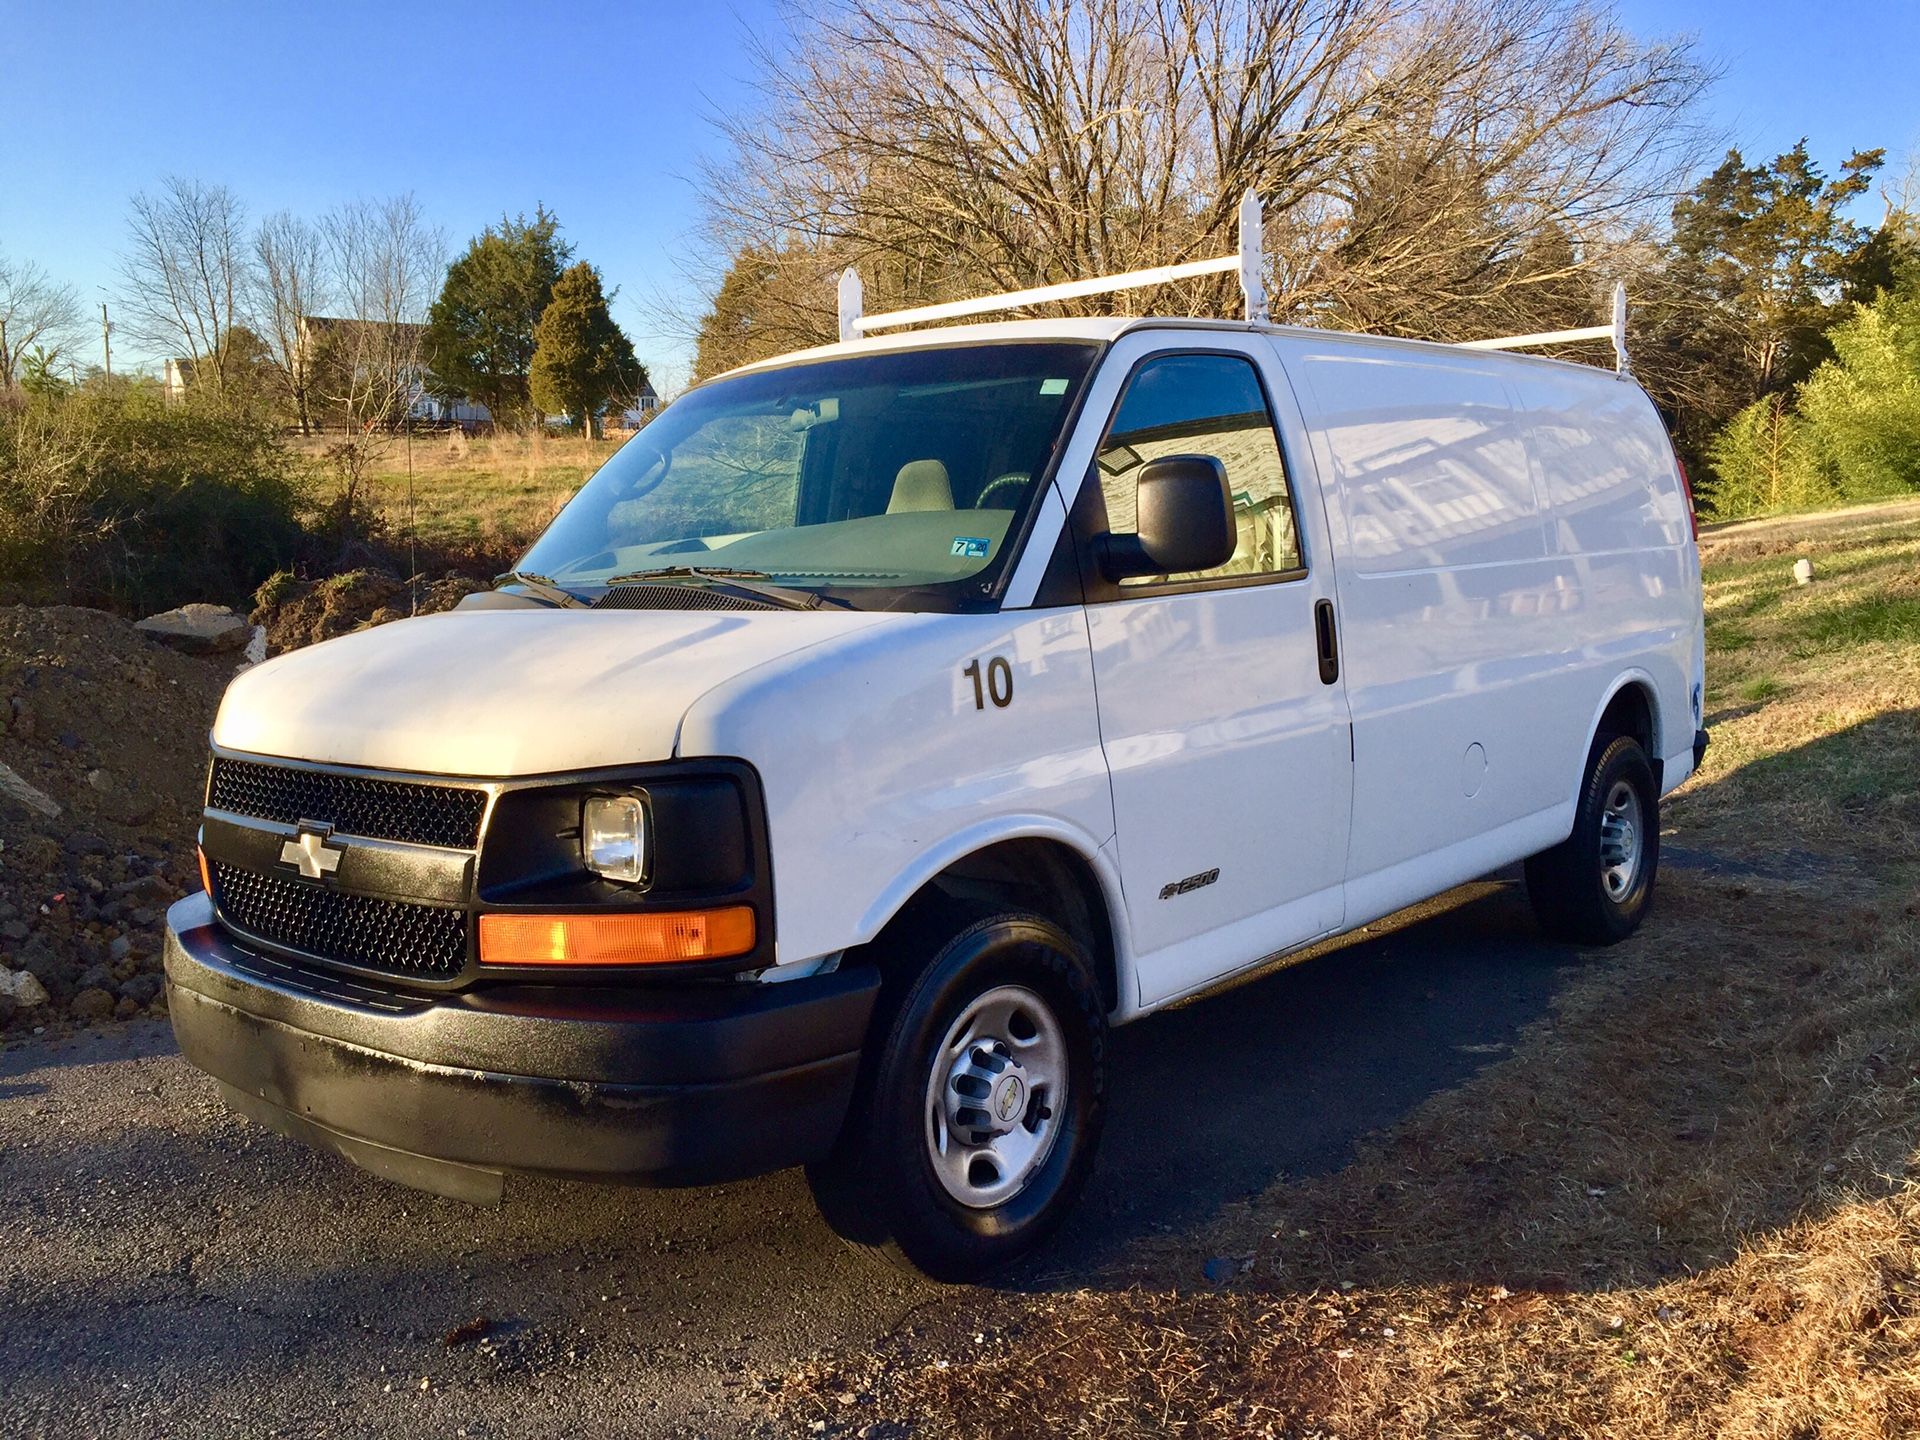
<point x="106" y="339"/>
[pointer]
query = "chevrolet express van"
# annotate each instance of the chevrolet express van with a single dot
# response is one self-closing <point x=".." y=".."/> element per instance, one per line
<point x="885" y="722"/>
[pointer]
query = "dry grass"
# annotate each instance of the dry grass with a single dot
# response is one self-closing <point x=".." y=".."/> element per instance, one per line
<point x="1683" y="1206"/>
<point x="488" y="493"/>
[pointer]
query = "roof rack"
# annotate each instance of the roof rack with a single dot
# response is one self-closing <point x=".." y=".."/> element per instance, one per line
<point x="855" y="322"/>
<point x="1246" y="261"/>
<point x="1616" y="332"/>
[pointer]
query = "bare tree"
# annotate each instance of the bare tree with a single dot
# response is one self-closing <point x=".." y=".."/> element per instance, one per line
<point x="36" y="313"/>
<point x="183" y="275"/>
<point x="384" y="264"/>
<point x="287" y="283"/>
<point x="1438" y="165"/>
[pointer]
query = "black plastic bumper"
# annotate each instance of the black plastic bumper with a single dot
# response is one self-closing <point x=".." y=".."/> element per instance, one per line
<point x="1700" y="739"/>
<point x="660" y="1085"/>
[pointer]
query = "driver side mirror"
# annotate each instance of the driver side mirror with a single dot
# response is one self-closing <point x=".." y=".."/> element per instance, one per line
<point x="1184" y="521"/>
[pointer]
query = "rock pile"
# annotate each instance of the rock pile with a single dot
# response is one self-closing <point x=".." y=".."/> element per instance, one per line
<point x="109" y="730"/>
<point x="303" y="612"/>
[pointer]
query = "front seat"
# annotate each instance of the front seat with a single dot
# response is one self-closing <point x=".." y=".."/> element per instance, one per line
<point x="921" y="485"/>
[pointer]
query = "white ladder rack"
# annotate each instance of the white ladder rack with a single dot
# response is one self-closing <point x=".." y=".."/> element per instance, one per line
<point x="854" y="322"/>
<point x="1245" y="261"/>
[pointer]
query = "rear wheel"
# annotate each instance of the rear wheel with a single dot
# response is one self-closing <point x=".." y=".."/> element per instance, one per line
<point x="1595" y="886"/>
<point x="980" y="1100"/>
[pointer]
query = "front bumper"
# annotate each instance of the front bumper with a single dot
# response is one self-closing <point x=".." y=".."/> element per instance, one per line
<point x="684" y="1084"/>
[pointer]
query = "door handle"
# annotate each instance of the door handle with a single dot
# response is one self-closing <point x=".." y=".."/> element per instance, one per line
<point x="1327" y="641"/>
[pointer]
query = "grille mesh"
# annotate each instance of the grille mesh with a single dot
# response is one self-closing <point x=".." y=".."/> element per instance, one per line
<point x="424" y="941"/>
<point x="354" y="804"/>
<point x="677" y="597"/>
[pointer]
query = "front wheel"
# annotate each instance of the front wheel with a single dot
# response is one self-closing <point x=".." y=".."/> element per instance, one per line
<point x="980" y="1103"/>
<point x="1594" y="887"/>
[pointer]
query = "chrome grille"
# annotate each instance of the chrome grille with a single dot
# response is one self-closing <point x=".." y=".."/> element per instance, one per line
<point x="404" y="810"/>
<point x="427" y="942"/>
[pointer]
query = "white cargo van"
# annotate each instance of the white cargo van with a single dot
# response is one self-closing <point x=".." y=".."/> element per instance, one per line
<point x="885" y="722"/>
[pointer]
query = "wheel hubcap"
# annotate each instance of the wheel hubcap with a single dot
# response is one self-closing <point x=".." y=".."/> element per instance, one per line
<point x="996" y="1096"/>
<point x="1622" y="840"/>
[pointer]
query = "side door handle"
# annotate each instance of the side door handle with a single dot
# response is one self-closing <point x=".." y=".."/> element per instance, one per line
<point x="1327" y="640"/>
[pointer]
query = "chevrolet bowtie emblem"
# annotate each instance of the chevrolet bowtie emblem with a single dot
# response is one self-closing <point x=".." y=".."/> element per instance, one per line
<point x="310" y="852"/>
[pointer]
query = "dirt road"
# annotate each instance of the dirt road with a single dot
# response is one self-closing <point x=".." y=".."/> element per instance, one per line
<point x="170" y="1270"/>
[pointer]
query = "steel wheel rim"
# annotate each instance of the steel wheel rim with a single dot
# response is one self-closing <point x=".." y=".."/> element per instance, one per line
<point x="1622" y="841"/>
<point x="996" y="1096"/>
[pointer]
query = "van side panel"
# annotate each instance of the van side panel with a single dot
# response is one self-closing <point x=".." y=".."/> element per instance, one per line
<point x="1479" y="639"/>
<point x="1604" y="464"/>
<point x="882" y="761"/>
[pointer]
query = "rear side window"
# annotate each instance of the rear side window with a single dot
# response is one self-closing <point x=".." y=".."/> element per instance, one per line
<point x="1204" y="405"/>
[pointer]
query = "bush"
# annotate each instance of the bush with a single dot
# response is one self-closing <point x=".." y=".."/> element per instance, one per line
<point x="113" y="497"/>
<point x="1852" y="432"/>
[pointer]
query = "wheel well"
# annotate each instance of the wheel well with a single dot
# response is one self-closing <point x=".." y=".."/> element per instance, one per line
<point x="1043" y="876"/>
<point x="1630" y="712"/>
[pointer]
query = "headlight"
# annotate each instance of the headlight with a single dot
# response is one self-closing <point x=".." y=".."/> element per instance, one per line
<point x="613" y="837"/>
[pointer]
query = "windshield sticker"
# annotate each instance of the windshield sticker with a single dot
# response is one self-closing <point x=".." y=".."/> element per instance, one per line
<point x="1053" y="387"/>
<point x="972" y="547"/>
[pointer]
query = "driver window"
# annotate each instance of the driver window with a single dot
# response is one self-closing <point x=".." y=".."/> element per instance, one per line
<point x="1205" y="405"/>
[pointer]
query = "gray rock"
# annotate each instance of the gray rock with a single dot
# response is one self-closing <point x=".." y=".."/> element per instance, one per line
<point x="22" y="987"/>
<point x="148" y="887"/>
<point x="142" y="988"/>
<point x="13" y="787"/>
<point x="197" y="629"/>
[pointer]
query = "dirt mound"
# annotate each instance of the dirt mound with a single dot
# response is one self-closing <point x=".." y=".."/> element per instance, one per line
<point x="111" y="728"/>
<point x="303" y="612"/>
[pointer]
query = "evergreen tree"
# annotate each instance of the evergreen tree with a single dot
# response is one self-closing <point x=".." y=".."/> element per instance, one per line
<point x="581" y="359"/>
<point x="1761" y="261"/>
<point x="479" y="339"/>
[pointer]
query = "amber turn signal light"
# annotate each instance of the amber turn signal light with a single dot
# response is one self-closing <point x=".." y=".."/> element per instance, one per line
<point x="206" y="874"/>
<point x="658" y="939"/>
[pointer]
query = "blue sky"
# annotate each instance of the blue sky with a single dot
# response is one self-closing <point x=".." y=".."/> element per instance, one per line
<point x="600" y="111"/>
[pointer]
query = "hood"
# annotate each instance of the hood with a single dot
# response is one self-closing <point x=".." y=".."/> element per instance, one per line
<point x="508" y="692"/>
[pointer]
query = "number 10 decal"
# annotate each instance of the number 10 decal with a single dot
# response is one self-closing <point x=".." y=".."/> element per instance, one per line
<point x="999" y="686"/>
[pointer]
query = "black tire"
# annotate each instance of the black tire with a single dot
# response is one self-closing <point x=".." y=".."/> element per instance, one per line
<point x="1569" y="885"/>
<point x="879" y="1189"/>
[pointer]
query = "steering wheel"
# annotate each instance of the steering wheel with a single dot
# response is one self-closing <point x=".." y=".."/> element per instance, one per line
<point x="1005" y="482"/>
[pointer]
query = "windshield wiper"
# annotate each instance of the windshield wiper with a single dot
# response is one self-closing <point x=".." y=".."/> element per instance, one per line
<point x="752" y="582"/>
<point x="539" y="585"/>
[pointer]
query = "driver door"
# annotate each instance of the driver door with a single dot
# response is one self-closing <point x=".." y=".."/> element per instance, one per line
<point x="1226" y="740"/>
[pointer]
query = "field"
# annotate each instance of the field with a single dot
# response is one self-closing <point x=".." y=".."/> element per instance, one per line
<point x="485" y="494"/>
<point x="1681" y="1204"/>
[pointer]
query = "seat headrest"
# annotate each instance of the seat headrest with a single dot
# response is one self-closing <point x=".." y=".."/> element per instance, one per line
<point x="921" y="485"/>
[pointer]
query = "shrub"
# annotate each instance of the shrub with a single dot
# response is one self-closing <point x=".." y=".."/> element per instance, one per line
<point x="113" y="497"/>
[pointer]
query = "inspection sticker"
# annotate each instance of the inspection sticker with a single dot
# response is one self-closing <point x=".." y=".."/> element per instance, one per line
<point x="973" y="547"/>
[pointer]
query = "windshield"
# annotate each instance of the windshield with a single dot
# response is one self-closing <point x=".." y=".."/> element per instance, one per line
<point x="893" y="480"/>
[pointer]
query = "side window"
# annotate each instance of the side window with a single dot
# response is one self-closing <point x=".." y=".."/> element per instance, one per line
<point x="1205" y="405"/>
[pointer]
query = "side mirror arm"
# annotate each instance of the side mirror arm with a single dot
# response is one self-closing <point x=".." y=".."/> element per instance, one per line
<point x="1123" y="557"/>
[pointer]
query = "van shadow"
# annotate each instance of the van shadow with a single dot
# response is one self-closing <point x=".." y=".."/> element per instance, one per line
<point x="1277" y="1078"/>
<point x="1282" y="1079"/>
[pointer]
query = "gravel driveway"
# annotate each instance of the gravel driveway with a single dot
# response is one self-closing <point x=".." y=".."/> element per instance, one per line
<point x="167" y="1269"/>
